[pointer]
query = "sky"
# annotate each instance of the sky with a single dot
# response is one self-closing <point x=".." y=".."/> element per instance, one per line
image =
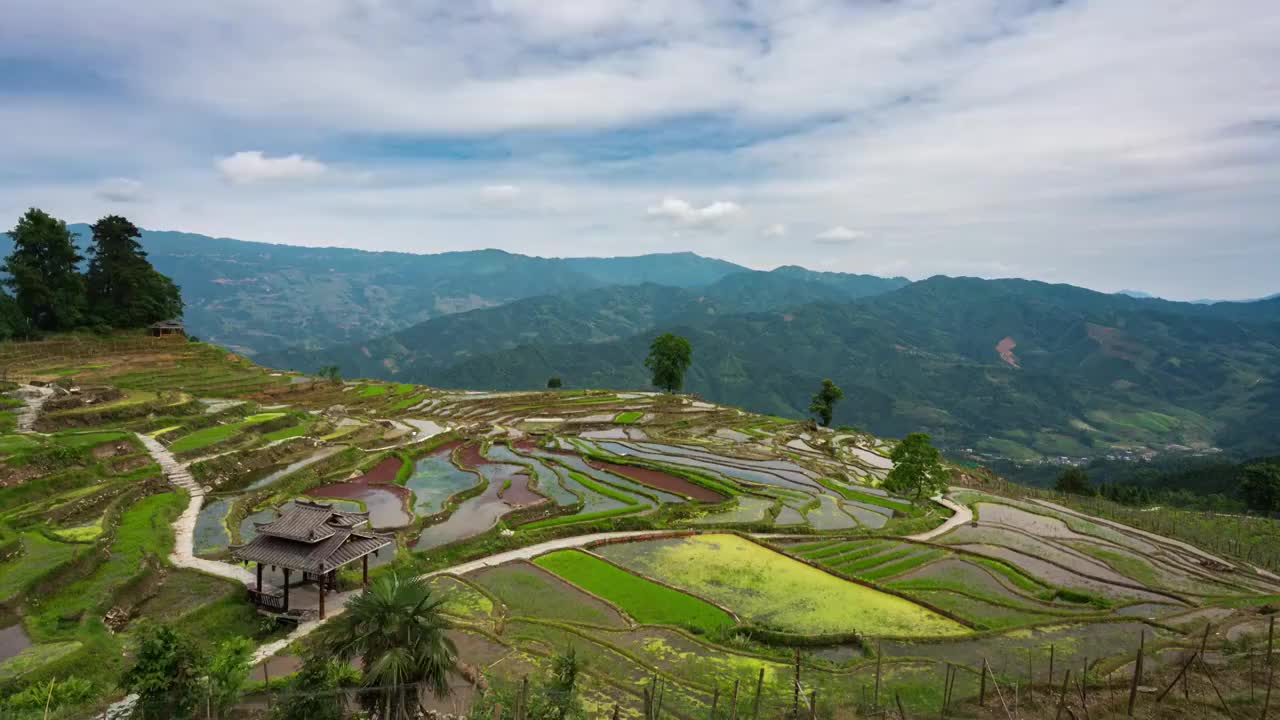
<point x="1115" y="144"/>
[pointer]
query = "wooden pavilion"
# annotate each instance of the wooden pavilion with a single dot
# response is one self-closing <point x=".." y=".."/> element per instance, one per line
<point x="166" y="328"/>
<point x="313" y="539"/>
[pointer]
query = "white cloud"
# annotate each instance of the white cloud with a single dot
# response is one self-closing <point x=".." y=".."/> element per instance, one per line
<point x="838" y="235"/>
<point x="776" y="230"/>
<point x="119" y="190"/>
<point x="251" y="166"/>
<point x="685" y="213"/>
<point x="500" y="193"/>
<point x="972" y="132"/>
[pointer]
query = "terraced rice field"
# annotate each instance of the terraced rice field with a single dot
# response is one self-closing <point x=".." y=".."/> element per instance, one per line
<point x="529" y="591"/>
<point x="435" y="479"/>
<point x="766" y="587"/>
<point x="702" y="611"/>
<point x="642" y="599"/>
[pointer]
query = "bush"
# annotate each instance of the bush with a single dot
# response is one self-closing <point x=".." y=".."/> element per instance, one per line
<point x="57" y="694"/>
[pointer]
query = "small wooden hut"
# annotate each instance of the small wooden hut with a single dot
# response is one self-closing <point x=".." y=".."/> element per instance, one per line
<point x="166" y="328"/>
<point x="313" y="539"/>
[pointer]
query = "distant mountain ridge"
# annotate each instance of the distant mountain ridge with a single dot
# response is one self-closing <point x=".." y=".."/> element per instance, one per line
<point x="592" y="316"/>
<point x="256" y="297"/>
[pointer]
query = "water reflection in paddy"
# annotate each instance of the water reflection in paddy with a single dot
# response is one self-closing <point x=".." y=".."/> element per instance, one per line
<point x="575" y="462"/>
<point x="13" y="640"/>
<point x="434" y="479"/>
<point x="211" y="530"/>
<point x="384" y="503"/>
<point x="758" y="475"/>
<point x="294" y="467"/>
<point x="548" y="479"/>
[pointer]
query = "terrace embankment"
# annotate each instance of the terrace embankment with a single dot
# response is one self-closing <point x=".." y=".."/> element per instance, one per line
<point x="659" y="480"/>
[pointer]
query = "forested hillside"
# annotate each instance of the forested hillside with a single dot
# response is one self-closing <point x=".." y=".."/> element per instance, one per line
<point x="594" y="317"/>
<point x="1012" y="368"/>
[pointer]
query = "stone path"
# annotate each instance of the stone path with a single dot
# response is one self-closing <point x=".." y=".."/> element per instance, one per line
<point x="184" y="527"/>
<point x="33" y="398"/>
<point x="531" y="551"/>
<point x="961" y="515"/>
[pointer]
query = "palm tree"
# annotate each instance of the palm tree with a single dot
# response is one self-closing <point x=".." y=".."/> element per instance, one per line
<point x="396" y="631"/>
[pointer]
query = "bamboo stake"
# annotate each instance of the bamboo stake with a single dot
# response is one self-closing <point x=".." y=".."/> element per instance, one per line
<point x="1271" y="636"/>
<point x="1062" y="695"/>
<point x="901" y="712"/>
<point x="1051" y="665"/>
<point x="795" y="694"/>
<point x="1176" y="677"/>
<point x="1266" y="704"/>
<point x="879" y="656"/>
<point x="755" y="704"/>
<point x="1137" y="673"/>
<point x="1084" y="683"/>
<point x="987" y="667"/>
<point x="715" y="702"/>
<point x="1209" y="674"/>
<point x="813" y="705"/>
<point x="982" y="687"/>
<point x="733" y="705"/>
<point x="1084" y="699"/>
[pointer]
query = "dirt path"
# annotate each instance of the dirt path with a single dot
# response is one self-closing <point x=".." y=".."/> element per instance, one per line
<point x="33" y="398"/>
<point x="184" y="527"/>
<point x="960" y="516"/>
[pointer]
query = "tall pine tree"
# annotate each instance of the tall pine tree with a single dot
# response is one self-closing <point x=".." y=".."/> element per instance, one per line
<point x="47" y="286"/>
<point x="124" y="290"/>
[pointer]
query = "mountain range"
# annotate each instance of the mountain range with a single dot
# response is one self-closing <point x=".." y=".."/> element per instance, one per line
<point x="1010" y="369"/>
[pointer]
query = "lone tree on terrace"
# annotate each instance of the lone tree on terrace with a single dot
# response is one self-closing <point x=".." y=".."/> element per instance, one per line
<point x="824" y="401"/>
<point x="554" y="382"/>
<point x="669" y="356"/>
<point x="917" y="468"/>
<point x="124" y="290"/>
<point x="47" y="286"/>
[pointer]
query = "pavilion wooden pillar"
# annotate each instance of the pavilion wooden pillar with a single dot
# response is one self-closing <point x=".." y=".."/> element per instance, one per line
<point x="324" y="588"/>
<point x="286" y="589"/>
<point x="364" y="582"/>
<point x="259" y="577"/>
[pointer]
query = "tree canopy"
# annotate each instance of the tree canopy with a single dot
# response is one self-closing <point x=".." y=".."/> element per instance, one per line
<point x="43" y="274"/>
<point x="123" y="289"/>
<point x="917" y="468"/>
<point x="669" y="357"/>
<point x="396" y="630"/>
<point x="824" y="401"/>
<point x="1075" y="481"/>
<point x="119" y="288"/>
<point x="1261" y="487"/>
<point x="166" y="674"/>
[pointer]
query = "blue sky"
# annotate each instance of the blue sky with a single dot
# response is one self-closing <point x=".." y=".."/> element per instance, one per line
<point x="1111" y="143"/>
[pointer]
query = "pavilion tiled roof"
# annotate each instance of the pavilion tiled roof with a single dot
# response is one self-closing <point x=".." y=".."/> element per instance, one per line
<point x="311" y="537"/>
<point x="310" y="522"/>
<point x="344" y="546"/>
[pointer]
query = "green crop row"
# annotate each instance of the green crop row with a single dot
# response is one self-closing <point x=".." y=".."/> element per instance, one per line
<point x="642" y="599"/>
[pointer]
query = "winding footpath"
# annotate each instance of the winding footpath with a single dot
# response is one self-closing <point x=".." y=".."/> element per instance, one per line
<point x="960" y="515"/>
<point x="184" y="528"/>
<point x="33" y="398"/>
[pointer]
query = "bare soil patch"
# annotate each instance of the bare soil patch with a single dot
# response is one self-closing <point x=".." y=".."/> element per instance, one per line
<point x="383" y="472"/>
<point x="660" y="480"/>
<point x="1004" y="349"/>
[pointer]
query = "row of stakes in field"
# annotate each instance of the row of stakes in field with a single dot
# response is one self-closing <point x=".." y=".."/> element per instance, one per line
<point x="1011" y="698"/>
<point x="806" y="707"/>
